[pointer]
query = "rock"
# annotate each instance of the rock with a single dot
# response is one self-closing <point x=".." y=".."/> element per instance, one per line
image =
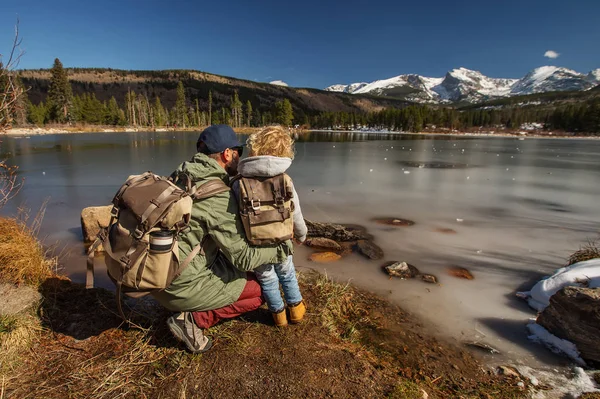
<point x="14" y="300"/>
<point x="509" y="371"/>
<point x="402" y="270"/>
<point x="370" y="250"/>
<point x="323" y="243"/>
<point x="93" y="219"/>
<point x="482" y="346"/>
<point x="347" y="247"/>
<point x="324" y="257"/>
<point x="445" y="230"/>
<point x="429" y="278"/>
<point x="574" y="315"/>
<point x="394" y="222"/>
<point x="460" y="272"/>
<point x="335" y="232"/>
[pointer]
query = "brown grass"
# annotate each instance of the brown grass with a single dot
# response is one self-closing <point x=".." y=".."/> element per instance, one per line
<point x="22" y="258"/>
<point x="590" y="250"/>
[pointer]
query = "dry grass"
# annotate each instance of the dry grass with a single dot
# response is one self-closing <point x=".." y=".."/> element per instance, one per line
<point x="22" y="258"/>
<point x="17" y="333"/>
<point x="590" y="250"/>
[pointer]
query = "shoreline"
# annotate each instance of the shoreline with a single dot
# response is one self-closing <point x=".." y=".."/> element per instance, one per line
<point x="37" y="131"/>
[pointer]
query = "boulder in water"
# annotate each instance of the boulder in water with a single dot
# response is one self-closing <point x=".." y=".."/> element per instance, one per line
<point x="93" y="219"/>
<point x="324" y="257"/>
<point x="574" y="315"/>
<point x="335" y="232"/>
<point x="460" y="272"/>
<point x="402" y="270"/>
<point x="370" y="250"/>
<point x="323" y="243"/>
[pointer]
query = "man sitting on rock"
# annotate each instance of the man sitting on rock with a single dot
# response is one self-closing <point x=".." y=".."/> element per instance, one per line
<point x="216" y="285"/>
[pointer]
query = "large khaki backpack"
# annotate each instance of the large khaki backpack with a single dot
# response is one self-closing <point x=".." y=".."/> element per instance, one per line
<point x="140" y="244"/>
<point x="266" y="208"/>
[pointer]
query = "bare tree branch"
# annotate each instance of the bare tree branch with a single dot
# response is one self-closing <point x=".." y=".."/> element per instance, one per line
<point x="10" y="92"/>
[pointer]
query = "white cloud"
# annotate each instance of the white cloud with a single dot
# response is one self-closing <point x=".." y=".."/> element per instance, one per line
<point x="551" y="54"/>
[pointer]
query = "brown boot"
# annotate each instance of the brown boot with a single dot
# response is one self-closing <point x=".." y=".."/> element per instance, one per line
<point x="280" y="319"/>
<point x="297" y="312"/>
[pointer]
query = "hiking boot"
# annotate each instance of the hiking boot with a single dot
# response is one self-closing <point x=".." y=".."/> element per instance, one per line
<point x="280" y="318"/>
<point x="184" y="328"/>
<point x="297" y="312"/>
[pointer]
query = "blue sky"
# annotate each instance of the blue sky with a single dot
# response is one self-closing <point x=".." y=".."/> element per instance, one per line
<point x="307" y="43"/>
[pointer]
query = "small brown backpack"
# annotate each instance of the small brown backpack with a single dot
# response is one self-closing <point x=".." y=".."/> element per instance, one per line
<point x="266" y="208"/>
<point x="140" y="244"/>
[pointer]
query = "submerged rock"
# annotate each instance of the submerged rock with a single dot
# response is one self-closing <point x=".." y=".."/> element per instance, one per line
<point x="460" y="272"/>
<point x="445" y="230"/>
<point x="335" y="232"/>
<point x="93" y="219"/>
<point x="402" y="270"/>
<point x="429" y="278"/>
<point x="369" y="249"/>
<point x="323" y="243"/>
<point x="399" y="222"/>
<point x="324" y="257"/>
<point x="574" y="315"/>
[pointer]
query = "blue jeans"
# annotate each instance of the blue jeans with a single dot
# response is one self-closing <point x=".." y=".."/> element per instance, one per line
<point x="270" y="275"/>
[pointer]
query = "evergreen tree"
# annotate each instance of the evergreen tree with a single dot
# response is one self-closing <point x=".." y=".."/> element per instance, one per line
<point x="248" y="113"/>
<point x="210" y="122"/>
<point x="180" y="106"/>
<point x="160" y="114"/>
<point x="60" y="94"/>
<point x="284" y="113"/>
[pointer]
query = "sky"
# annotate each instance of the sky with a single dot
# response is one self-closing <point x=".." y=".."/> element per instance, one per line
<point x="309" y="43"/>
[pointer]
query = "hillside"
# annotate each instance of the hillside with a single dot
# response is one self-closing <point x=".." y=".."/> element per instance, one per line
<point x="105" y="83"/>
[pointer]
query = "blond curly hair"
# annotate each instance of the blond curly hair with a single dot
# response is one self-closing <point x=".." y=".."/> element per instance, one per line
<point x="272" y="140"/>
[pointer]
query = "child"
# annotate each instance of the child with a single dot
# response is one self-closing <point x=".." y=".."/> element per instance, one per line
<point x="271" y="154"/>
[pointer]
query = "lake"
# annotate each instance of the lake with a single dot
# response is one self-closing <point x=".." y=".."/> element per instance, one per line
<point x="510" y="210"/>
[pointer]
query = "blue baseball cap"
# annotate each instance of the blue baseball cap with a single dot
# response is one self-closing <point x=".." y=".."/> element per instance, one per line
<point x="217" y="138"/>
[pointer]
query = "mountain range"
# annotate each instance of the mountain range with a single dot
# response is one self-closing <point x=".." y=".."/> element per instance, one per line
<point x="465" y="85"/>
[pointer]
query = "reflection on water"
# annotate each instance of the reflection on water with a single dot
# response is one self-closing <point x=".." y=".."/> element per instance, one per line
<point x="514" y="217"/>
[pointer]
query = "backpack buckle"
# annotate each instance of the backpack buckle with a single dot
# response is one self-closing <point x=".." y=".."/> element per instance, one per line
<point x="137" y="234"/>
<point x="114" y="212"/>
<point x="255" y="204"/>
<point x="125" y="260"/>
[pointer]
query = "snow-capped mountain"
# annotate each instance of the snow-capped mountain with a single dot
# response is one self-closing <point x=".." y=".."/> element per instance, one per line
<point x="550" y="78"/>
<point x="463" y="84"/>
<point x="279" y="83"/>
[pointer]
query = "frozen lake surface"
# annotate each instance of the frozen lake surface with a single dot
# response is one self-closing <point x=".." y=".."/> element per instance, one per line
<point x="509" y="210"/>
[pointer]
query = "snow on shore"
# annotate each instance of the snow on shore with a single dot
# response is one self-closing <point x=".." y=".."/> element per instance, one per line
<point x="581" y="274"/>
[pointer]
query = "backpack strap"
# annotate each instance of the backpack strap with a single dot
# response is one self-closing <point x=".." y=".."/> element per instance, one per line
<point x="89" y="276"/>
<point x="210" y="188"/>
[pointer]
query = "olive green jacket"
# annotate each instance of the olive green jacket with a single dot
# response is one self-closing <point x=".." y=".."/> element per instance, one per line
<point x="211" y="283"/>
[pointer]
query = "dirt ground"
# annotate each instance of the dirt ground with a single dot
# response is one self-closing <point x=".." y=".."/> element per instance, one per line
<point x="351" y="345"/>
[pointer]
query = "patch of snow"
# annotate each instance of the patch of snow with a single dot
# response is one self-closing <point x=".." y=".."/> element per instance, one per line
<point x="557" y="345"/>
<point x="279" y="83"/>
<point x="560" y="384"/>
<point x="585" y="273"/>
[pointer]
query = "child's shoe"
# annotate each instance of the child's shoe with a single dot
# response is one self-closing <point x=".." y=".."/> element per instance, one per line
<point x="297" y="312"/>
<point x="280" y="318"/>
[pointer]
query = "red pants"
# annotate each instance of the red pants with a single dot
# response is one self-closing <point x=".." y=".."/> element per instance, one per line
<point x="250" y="299"/>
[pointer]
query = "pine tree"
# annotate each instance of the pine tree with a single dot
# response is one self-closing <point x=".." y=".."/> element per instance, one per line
<point x="210" y="107"/>
<point x="180" y="107"/>
<point x="284" y="113"/>
<point x="197" y="114"/>
<point x="60" y="94"/>
<point x="160" y="115"/>
<point x="248" y="113"/>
